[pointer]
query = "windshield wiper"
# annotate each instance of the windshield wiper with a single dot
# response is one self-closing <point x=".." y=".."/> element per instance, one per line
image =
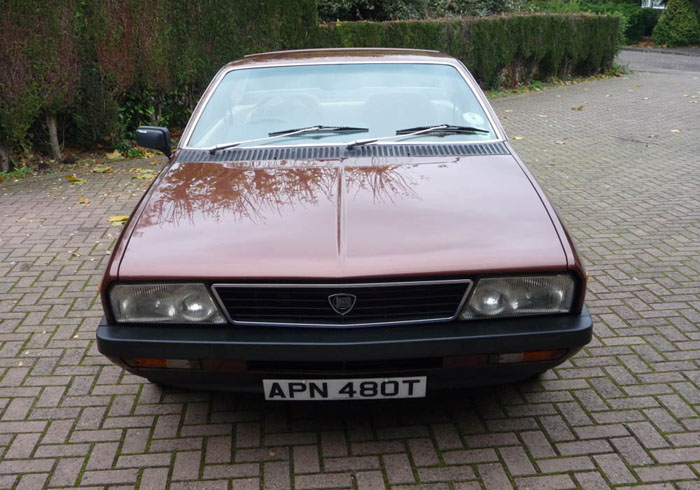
<point x="408" y="132"/>
<point x="292" y="132"/>
<point x="319" y="129"/>
<point x="441" y="128"/>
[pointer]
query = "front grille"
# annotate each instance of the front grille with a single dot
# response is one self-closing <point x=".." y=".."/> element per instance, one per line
<point x="374" y="304"/>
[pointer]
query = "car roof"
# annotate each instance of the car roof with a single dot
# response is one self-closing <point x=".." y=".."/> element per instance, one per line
<point x="342" y="55"/>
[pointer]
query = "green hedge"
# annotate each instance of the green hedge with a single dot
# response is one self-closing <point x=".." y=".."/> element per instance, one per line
<point x="85" y="60"/>
<point x="101" y="68"/>
<point x="678" y="25"/>
<point x="635" y="21"/>
<point x="499" y="50"/>
<point x="383" y="10"/>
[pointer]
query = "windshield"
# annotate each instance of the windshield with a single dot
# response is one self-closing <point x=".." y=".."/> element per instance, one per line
<point x="249" y="104"/>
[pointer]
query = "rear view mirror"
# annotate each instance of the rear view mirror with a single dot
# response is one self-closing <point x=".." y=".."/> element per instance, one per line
<point x="154" y="138"/>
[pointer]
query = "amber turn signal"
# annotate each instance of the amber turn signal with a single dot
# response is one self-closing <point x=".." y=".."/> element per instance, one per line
<point x="156" y="363"/>
<point x="530" y="356"/>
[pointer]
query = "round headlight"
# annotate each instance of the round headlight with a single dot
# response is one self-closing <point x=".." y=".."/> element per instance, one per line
<point x="488" y="301"/>
<point x="197" y="307"/>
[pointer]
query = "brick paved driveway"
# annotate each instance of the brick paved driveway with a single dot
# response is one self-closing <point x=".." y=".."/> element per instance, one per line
<point x="624" y="412"/>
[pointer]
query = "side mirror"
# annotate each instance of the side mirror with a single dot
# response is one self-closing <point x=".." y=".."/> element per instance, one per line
<point x="155" y="138"/>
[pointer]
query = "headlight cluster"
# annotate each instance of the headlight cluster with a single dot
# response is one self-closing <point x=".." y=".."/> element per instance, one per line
<point x="519" y="296"/>
<point x="164" y="303"/>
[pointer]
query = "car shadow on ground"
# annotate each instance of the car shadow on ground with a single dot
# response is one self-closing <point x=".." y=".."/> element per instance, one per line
<point x="477" y="409"/>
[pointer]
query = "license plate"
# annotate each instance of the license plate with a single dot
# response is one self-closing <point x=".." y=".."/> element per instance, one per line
<point x="344" y="389"/>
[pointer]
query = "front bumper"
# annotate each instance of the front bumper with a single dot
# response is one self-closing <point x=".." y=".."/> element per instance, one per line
<point x="316" y="345"/>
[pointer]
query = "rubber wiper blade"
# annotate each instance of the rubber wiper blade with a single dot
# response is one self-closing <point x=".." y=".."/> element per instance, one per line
<point x="319" y="129"/>
<point x="291" y="132"/>
<point x="441" y="128"/>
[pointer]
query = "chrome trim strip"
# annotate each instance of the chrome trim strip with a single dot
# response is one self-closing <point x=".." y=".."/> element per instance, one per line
<point x="461" y="69"/>
<point x="468" y="282"/>
<point x="340" y="50"/>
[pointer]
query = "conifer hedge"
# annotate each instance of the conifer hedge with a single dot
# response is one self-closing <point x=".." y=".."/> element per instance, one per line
<point x="498" y="50"/>
<point x="99" y="68"/>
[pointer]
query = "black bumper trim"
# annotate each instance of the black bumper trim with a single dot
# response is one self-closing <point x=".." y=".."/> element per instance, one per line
<point x="231" y="342"/>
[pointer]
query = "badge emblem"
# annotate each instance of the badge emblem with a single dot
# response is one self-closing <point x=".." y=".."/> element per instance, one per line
<point x="342" y="303"/>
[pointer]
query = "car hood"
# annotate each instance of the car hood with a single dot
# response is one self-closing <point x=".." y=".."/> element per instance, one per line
<point x="338" y="218"/>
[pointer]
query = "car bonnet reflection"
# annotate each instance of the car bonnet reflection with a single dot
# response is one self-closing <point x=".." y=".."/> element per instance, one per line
<point x="255" y="191"/>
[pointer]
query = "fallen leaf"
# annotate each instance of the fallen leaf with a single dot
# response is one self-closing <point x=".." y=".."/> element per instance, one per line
<point x="142" y="173"/>
<point x="518" y="137"/>
<point x="154" y="162"/>
<point x="118" y="219"/>
<point x="115" y="155"/>
<point x="75" y="180"/>
<point x="103" y="170"/>
<point x="84" y="201"/>
<point x="578" y="108"/>
<point x="676" y="130"/>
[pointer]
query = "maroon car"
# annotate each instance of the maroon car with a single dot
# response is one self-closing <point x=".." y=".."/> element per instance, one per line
<point x="341" y="224"/>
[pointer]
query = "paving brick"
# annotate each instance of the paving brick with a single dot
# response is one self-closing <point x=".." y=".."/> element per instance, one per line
<point x="545" y="482"/>
<point x="423" y="452"/>
<point x="187" y="464"/>
<point x="398" y="468"/>
<point x="493" y="476"/>
<point x="306" y="459"/>
<point x="563" y="465"/>
<point x="22" y="446"/>
<point x="614" y="468"/>
<point x="538" y="444"/>
<point x="102" y="456"/>
<point x="218" y="449"/>
<point x="154" y="479"/>
<point x="517" y="461"/>
<point x="276" y="475"/>
<point x="370" y="480"/>
<point x="237" y="470"/>
<point x="67" y="472"/>
<point x="445" y="473"/>
<point x="351" y="463"/>
<point x="666" y="473"/>
<point x="333" y="444"/>
<point x="323" y="480"/>
<point x="689" y="455"/>
<point x="31" y="481"/>
<point x="591" y="481"/>
<point x="107" y="477"/>
<point x="470" y="456"/>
